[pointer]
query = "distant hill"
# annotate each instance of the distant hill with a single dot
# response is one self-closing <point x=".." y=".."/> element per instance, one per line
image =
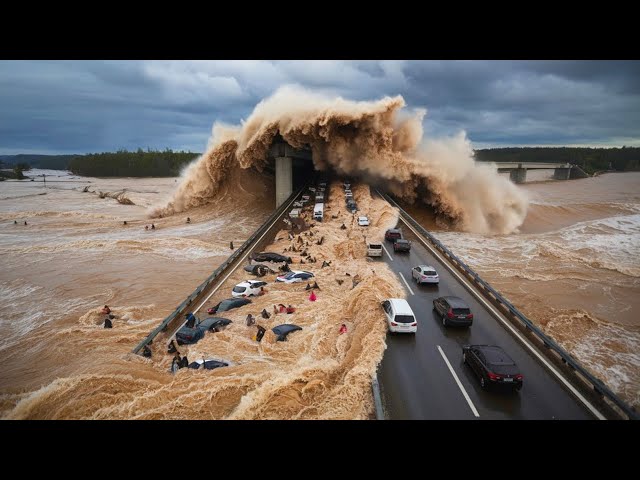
<point x="150" y="163"/>
<point x="54" y="162"/>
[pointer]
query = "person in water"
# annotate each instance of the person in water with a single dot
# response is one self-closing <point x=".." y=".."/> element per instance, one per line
<point x="15" y="222"/>
<point x="153" y="227"/>
<point x="343" y="329"/>
<point x="313" y="296"/>
<point x="106" y="310"/>
<point x="146" y="227"/>
<point x="250" y="320"/>
<point x="188" y="220"/>
<point x="290" y="309"/>
<point x="125" y="222"/>
<point x="25" y="222"/>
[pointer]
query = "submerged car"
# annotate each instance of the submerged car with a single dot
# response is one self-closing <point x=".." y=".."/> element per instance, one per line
<point x="282" y="331"/>
<point x="190" y="335"/>
<point x="258" y="269"/>
<point x="208" y="364"/>
<point x="454" y="311"/>
<point x="248" y="288"/>
<point x="270" y="257"/>
<point x="228" y="304"/>
<point x="492" y="365"/>
<point x="425" y="274"/>
<point x="294" y="276"/>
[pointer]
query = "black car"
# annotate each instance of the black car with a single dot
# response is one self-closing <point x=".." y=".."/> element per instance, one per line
<point x="228" y="304"/>
<point x="270" y="257"/>
<point x="453" y="311"/>
<point x="492" y="365"/>
<point x="285" y="329"/>
<point x="190" y="335"/>
<point x="401" y="245"/>
<point x="393" y="234"/>
<point x="258" y="270"/>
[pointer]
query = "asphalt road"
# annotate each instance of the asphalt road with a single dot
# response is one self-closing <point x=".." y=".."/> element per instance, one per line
<point x="417" y="383"/>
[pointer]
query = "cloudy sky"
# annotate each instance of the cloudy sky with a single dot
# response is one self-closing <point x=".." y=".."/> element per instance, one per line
<point x="94" y="106"/>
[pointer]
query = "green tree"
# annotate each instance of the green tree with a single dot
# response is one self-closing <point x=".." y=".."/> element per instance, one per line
<point x="17" y="170"/>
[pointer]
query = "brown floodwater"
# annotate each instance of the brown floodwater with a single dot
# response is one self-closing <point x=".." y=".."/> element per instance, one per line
<point x="574" y="268"/>
<point x="76" y="255"/>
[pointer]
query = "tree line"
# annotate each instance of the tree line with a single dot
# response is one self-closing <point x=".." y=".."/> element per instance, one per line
<point x="591" y="160"/>
<point x="123" y="163"/>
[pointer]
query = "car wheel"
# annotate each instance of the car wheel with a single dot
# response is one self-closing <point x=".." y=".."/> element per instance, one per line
<point x="483" y="383"/>
<point x="464" y="358"/>
<point x="518" y="388"/>
<point x="444" y="320"/>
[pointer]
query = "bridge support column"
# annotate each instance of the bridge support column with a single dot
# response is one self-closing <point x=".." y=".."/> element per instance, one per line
<point x="518" y="175"/>
<point x="284" y="179"/>
<point x="562" y="173"/>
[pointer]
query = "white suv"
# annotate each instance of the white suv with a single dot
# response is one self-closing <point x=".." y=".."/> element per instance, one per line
<point x="400" y="317"/>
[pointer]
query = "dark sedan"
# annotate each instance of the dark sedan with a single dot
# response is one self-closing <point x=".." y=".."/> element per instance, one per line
<point x="190" y="335"/>
<point x="402" y="245"/>
<point x="393" y="234"/>
<point x="454" y="311"/>
<point x="492" y="365"/>
<point x="258" y="270"/>
<point x="270" y="257"/>
<point x="228" y="304"/>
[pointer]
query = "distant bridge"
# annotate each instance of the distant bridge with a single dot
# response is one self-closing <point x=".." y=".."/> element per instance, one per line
<point x="518" y="170"/>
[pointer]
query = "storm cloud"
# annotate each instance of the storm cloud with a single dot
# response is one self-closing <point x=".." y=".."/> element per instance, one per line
<point x="93" y="106"/>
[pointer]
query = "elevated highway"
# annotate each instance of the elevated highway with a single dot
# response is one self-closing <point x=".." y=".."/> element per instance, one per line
<point x="422" y="376"/>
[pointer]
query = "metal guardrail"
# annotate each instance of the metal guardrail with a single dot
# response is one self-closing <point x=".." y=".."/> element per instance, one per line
<point x="218" y="271"/>
<point x="377" y="398"/>
<point x="598" y="387"/>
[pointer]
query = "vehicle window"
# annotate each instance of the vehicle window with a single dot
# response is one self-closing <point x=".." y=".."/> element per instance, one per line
<point x="385" y="305"/>
<point x="238" y="289"/>
<point x="429" y="272"/>
<point x="461" y="311"/>
<point x="404" y="319"/>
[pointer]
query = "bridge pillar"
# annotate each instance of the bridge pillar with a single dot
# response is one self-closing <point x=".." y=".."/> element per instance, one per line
<point x="562" y="173"/>
<point x="284" y="179"/>
<point x="518" y="175"/>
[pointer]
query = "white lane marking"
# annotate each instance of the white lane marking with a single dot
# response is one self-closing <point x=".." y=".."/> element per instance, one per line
<point x="498" y="315"/>
<point x="388" y="254"/>
<point x="405" y="282"/>
<point x="464" y="392"/>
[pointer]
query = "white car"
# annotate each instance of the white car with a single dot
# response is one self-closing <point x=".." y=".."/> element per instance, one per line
<point x="248" y="288"/>
<point x="295" y="276"/>
<point x="425" y="274"/>
<point x="400" y="317"/>
<point x="363" y="221"/>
